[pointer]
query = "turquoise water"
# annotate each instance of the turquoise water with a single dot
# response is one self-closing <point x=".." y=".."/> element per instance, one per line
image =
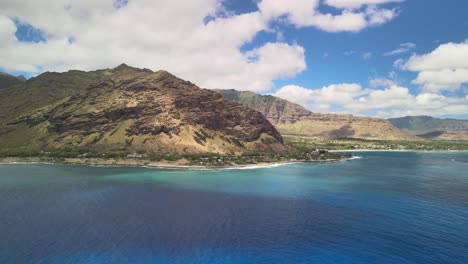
<point x="393" y="207"/>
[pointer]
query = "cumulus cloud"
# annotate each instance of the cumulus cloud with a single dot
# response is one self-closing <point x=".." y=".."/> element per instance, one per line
<point x="7" y="31"/>
<point x="305" y="13"/>
<point x="403" y="48"/>
<point x="445" y="68"/>
<point x="199" y="40"/>
<point x="269" y="62"/>
<point x="391" y="101"/>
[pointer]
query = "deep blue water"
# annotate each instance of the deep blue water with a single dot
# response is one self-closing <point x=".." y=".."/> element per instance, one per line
<point x="383" y="208"/>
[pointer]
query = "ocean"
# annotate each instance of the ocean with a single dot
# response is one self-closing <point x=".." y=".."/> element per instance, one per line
<point x="384" y="207"/>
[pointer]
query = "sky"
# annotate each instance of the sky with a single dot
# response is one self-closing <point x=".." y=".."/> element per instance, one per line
<point x="383" y="58"/>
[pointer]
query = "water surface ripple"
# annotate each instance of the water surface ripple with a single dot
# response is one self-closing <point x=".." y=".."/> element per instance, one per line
<point x="384" y="208"/>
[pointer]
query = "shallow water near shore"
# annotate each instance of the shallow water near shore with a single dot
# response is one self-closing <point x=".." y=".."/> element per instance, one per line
<point x="387" y="207"/>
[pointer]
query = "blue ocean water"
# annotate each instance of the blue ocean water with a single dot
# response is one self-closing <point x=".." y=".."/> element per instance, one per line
<point x="384" y="208"/>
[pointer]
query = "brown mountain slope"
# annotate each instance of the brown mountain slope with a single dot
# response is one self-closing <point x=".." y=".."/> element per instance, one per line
<point x="293" y="119"/>
<point x="43" y="90"/>
<point x="133" y="110"/>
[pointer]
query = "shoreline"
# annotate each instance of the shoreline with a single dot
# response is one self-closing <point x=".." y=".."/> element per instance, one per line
<point x="173" y="165"/>
<point x="395" y="150"/>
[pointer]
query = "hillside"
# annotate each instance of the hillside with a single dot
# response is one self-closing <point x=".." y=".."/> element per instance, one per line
<point x="426" y="124"/>
<point x="129" y="109"/>
<point x="292" y="119"/>
<point x="7" y="80"/>
<point x="433" y="128"/>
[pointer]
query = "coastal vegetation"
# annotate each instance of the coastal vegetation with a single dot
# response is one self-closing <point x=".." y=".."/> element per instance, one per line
<point x="306" y="143"/>
<point x="89" y="156"/>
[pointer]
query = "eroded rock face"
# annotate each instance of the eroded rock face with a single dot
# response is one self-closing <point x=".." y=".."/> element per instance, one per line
<point x="276" y="110"/>
<point x="152" y="111"/>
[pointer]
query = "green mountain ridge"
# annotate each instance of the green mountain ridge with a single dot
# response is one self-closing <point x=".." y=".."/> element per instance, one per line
<point x="292" y="119"/>
<point x="433" y="128"/>
<point x="129" y="109"/>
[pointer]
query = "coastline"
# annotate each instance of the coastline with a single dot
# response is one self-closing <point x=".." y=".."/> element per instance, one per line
<point x="179" y="164"/>
<point x="395" y="150"/>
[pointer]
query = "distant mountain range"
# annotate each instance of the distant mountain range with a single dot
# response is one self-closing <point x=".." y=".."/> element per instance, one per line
<point x="129" y="109"/>
<point x="433" y="128"/>
<point x="292" y="119"/>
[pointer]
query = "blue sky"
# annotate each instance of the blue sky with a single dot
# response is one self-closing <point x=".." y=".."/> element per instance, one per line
<point x="424" y="23"/>
<point x="385" y="60"/>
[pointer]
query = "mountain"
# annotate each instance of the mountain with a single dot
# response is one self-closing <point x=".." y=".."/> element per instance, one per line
<point x="7" y="80"/>
<point x="129" y="109"/>
<point x="433" y="128"/>
<point x="292" y="119"/>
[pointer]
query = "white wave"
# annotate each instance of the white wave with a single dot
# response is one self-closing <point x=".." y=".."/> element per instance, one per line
<point x="252" y="167"/>
<point x="353" y="158"/>
<point x="26" y="162"/>
<point x="229" y="167"/>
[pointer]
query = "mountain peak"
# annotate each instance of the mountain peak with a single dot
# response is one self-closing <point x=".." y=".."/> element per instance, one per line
<point x="122" y="67"/>
<point x="126" y="67"/>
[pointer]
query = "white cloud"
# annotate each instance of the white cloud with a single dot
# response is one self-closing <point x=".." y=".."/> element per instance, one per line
<point x="445" y="68"/>
<point x="305" y="13"/>
<point x="336" y="94"/>
<point x="271" y="61"/>
<point x="442" y="80"/>
<point x="446" y="56"/>
<point x="356" y="3"/>
<point x="7" y="31"/>
<point x="296" y="94"/>
<point x="404" y="48"/>
<point x="164" y="34"/>
<point x="378" y="16"/>
<point x="392" y="101"/>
